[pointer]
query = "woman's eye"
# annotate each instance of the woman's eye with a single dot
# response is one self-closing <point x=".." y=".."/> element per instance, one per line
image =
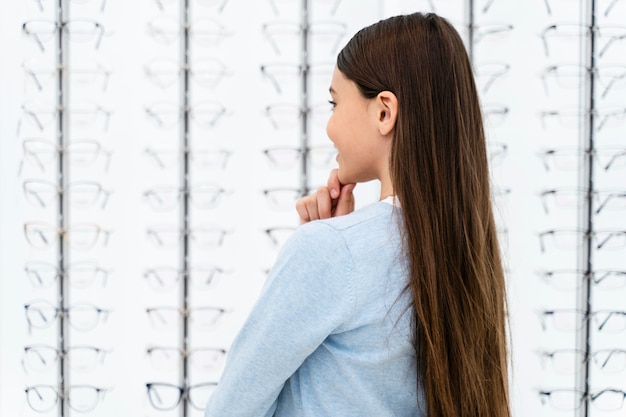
<point x="332" y="104"/>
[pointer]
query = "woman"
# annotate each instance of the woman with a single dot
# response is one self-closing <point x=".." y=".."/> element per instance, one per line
<point x="397" y="308"/>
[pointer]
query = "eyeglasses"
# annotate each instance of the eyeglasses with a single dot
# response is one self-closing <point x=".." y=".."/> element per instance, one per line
<point x="565" y="361"/>
<point x="80" y="116"/>
<point x="569" y="239"/>
<point x="285" y="157"/>
<point x="282" y="198"/>
<point x="500" y="192"/>
<point x="205" y="32"/>
<point x="334" y="4"/>
<point x="80" y="398"/>
<point x="41" y="314"/>
<point x="81" y="358"/>
<point x="608" y="399"/>
<point x="278" y="235"/>
<point x="168" y="396"/>
<point x="203" y="196"/>
<point x="207" y="72"/>
<point x="79" y="30"/>
<point x="79" y="274"/>
<point x="494" y="114"/>
<point x="485" y="7"/>
<point x="168" y="115"/>
<point x="204" y="318"/>
<point x="218" y="4"/>
<point x="497" y="152"/>
<point x="284" y="116"/>
<point x="574" y="198"/>
<point x="567" y="31"/>
<point x="607" y="11"/>
<point x="574" y="118"/>
<point x="569" y="320"/>
<point x="40" y="3"/>
<point x="81" y="153"/>
<point x="206" y="359"/>
<point x="571" y="279"/>
<point x="200" y="158"/>
<point x="80" y="236"/>
<point x="565" y="198"/>
<point x="568" y="158"/>
<point x="611" y="200"/>
<point x="165" y="278"/>
<point x="492" y="30"/>
<point x="206" y="237"/>
<point x="489" y="72"/>
<point x="83" y="72"/>
<point x="571" y="76"/>
<point x="81" y="194"/>
<point x="282" y="75"/>
<point x="327" y="34"/>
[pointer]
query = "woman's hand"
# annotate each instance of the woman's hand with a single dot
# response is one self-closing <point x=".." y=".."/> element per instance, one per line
<point x="335" y="199"/>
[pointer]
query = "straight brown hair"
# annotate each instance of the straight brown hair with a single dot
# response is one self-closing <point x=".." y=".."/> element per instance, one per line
<point x="439" y="169"/>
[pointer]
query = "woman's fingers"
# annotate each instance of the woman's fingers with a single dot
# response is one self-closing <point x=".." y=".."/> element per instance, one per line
<point x="345" y="202"/>
<point x="302" y="209"/>
<point x="315" y="206"/>
<point x="335" y="199"/>
<point x="333" y="184"/>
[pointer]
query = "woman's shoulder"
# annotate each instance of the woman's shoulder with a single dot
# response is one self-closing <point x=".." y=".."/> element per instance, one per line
<point x="366" y="216"/>
<point x="374" y="224"/>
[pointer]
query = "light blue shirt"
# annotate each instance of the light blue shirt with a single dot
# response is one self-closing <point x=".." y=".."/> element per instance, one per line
<point x="330" y="334"/>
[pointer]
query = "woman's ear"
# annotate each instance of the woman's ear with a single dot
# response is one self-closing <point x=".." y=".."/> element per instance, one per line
<point x="387" y="112"/>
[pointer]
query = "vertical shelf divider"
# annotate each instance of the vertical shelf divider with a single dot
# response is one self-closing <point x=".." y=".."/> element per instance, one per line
<point x="184" y="208"/>
<point x="469" y="11"/>
<point x="304" y="98"/>
<point x="586" y="181"/>
<point x="62" y="100"/>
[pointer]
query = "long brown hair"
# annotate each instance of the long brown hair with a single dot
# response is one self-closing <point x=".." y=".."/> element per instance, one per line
<point x="440" y="175"/>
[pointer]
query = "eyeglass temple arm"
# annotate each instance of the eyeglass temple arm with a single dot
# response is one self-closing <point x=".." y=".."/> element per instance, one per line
<point x="35" y="195"/>
<point x="32" y="74"/>
<point x="614" y="158"/>
<point x="100" y="35"/>
<point x="36" y="39"/>
<point x="608" y="237"/>
<point x="609" y="7"/>
<point x="606" y="201"/>
<point x="105" y="199"/>
<point x="548" y="9"/>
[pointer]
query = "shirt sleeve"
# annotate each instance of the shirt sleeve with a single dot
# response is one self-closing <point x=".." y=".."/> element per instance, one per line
<point x="308" y="295"/>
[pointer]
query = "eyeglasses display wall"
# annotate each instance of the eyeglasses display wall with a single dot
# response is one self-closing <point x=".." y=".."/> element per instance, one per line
<point x="582" y="240"/>
<point x="185" y="69"/>
<point x="63" y="129"/>
<point x="152" y="153"/>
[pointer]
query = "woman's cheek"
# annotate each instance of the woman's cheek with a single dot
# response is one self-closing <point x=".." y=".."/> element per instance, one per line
<point x="329" y="128"/>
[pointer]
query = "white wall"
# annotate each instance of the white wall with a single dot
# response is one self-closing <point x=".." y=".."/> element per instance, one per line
<point x="245" y="131"/>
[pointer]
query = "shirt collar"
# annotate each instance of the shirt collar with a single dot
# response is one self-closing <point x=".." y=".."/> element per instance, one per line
<point x="392" y="199"/>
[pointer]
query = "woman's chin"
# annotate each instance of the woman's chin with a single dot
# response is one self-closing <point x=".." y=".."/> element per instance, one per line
<point x="344" y="178"/>
<point x="341" y="175"/>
